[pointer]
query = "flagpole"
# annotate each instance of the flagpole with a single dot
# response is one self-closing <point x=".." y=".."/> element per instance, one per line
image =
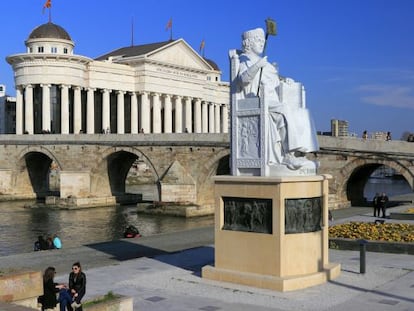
<point x="270" y="30"/>
<point x="261" y="69"/>
<point x="171" y="32"/>
<point x="50" y="15"/>
<point x="132" y="31"/>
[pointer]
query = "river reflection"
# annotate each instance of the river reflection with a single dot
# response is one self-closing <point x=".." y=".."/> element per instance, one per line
<point x="20" y="226"/>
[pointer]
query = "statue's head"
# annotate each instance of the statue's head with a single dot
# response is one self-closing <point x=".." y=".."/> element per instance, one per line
<point x="253" y="40"/>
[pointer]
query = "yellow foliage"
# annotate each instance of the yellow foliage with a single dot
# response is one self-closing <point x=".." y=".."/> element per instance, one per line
<point x="371" y="231"/>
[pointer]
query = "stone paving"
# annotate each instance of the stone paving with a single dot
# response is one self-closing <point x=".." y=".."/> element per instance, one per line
<point x="163" y="273"/>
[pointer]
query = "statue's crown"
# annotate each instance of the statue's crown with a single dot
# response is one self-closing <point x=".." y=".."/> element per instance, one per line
<point x="258" y="32"/>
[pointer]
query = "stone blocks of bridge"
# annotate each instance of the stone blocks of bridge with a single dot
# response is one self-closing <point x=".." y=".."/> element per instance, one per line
<point x="253" y="251"/>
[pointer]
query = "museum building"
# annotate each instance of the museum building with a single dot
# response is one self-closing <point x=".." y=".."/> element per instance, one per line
<point x="163" y="87"/>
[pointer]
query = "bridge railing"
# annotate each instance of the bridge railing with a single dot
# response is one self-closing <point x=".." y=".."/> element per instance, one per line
<point x="182" y="139"/>
<point x="355" y="145"/>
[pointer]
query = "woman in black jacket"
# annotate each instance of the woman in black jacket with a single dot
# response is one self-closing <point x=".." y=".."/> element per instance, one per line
<point x="50" y="289"/>
<point x="77" y="285"/>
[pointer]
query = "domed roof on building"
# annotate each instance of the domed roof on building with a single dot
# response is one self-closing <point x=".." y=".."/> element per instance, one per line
<point x="212" y="64"/>
<point x="49" y="30"/>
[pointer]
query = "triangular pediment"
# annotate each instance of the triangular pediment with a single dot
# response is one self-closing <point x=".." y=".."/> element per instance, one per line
<point x="179" y="53"/>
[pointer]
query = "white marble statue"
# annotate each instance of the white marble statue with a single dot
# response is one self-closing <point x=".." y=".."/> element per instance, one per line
<point x="291" y="130"/>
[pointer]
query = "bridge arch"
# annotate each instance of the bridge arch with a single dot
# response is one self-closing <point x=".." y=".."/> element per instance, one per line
<point x="32" y="171"/>
<point x="111" y="171"/>
<point x="354" y="176"/>
<point x="219" y="164"/>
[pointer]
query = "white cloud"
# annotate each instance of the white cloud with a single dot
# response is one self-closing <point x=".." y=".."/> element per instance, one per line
<point x="387" y="95"/>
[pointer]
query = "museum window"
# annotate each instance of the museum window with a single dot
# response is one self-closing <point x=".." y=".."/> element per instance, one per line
<point x="208" y="78"/>
<point x="40" y="49"/>
<point x="65" y="50"/>
<point x="53" y="49"/>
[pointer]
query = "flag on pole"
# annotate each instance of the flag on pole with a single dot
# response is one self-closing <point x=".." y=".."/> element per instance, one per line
<point x="47" y="5"/>
<point x="270" y="27"/>
<point x="202" y="44"/>
<point x="169" y="25"/>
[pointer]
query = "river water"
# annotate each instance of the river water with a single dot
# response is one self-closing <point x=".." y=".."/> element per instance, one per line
<point x="20" y="226"/>
<point x="392" y="187"/>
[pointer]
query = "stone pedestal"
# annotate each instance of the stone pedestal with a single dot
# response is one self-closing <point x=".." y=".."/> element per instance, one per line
<point x="272" y="232"/>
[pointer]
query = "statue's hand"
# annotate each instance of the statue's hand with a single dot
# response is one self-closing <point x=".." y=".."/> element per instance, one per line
<point x="261" y="62"/>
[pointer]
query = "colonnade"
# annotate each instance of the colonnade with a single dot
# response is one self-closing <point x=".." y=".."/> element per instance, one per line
<point x="82" y="109"/>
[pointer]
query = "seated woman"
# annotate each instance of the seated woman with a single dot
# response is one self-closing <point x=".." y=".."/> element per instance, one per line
<point x="70" y="298"/>
<point x="50" y="289"/>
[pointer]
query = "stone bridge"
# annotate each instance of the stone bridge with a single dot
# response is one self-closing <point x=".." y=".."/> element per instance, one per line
<point x="351" y="161"/>
<point x="93" y="167"/>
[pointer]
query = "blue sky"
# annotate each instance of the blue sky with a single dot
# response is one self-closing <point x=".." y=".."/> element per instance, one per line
<point x="355" y="57"/>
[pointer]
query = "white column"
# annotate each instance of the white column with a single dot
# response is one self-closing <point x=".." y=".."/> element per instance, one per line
<point x="106" y="123"/>
<point x="197" y="115"/>
<point x="188" y="115"/>
<point x="134" y="113"/>
<point x="45" y="107"/>
<point x="90" y="111"/>
<point x="64" y="115"/>
<point x="167" y="114"/>
<point x="145" y="112"/>
<point x="225" y="119"/>
<point x="178" y="115"/>
<point x="19" y="111"/>
<point x="211" y="127"/>
<point x="28" y="118"/>
<point x="77" y="111"/>
<point x="204" y="117"/>
<point x="217" y="118"/>
<point x="120" y="113"/>
<point x="156" y="113"/>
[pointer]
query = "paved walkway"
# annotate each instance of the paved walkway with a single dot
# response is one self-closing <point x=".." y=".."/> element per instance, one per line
<point x="163" y="273"/>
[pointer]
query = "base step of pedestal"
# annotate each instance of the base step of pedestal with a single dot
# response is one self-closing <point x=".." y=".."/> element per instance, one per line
<point x="281" y="284"/>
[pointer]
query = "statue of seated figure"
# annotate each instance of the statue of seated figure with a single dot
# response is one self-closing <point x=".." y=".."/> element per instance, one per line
<point x="290" y="130"/>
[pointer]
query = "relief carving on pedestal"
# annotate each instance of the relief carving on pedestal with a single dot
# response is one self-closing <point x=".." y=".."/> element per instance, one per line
<point x="303" y="215"/>
<point x="248" y="214"/>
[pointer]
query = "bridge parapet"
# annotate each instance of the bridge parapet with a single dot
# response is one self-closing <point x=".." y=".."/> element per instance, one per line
<point x="181" y="139"/>
<point x="354" y="145"/>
